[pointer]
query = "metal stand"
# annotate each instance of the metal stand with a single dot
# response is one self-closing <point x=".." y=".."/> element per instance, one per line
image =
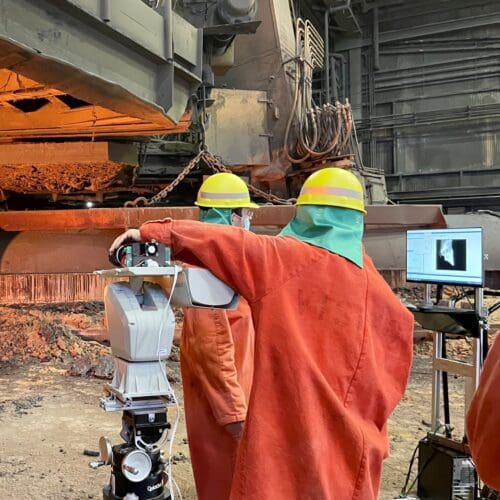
<point x="141" y="327"/>
<point x="441" y="365"/>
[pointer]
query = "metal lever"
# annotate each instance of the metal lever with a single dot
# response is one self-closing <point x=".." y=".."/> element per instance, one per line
<point x="96" y="465"/>
<point x="130" y="469"/>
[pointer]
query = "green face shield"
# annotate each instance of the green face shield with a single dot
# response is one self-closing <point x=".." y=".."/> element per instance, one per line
<point x="338" y="230"/>
<point x="216" y="216"/>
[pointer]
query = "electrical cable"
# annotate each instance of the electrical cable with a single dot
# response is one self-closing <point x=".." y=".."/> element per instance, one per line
<point x="171" y="481"/>
<point x="320" y="132"/>
<point x="405" y="490"/>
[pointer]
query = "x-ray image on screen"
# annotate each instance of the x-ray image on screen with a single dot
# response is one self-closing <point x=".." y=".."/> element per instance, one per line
<point x="451" y="254"/>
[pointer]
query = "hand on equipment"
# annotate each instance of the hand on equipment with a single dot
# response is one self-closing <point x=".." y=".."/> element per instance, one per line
<point x="129" y="236"/>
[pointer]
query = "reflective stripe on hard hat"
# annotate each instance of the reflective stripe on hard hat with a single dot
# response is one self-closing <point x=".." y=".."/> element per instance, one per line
<point x="319" y="190"/>
<point x="222" y="196"/>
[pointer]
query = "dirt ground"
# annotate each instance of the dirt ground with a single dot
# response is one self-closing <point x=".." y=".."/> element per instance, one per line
<point x="49" y="417"/>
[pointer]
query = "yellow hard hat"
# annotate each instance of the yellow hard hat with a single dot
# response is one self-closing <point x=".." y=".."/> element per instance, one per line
<point x="224" y="190"/>
<point x="333" y="186"/>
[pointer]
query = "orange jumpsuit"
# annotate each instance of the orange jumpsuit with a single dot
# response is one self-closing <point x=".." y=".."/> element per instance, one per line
<point x="483" y="420"/>
<point x="217" y="368"/>
<point x="333" y="349"/>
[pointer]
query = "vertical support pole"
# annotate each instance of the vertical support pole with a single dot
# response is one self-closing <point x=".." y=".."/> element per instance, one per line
<point x="428" y="295"/>
<point x="167" y="19"/>
<point x="335" y="90"/>
<point x="483" y="318"/>
<point x="105" y="11"/>
<point x="327" y="55"/>
<point x="376" y="40"/>
<point x="436" y="382"/>
<point x="165" y="86"/>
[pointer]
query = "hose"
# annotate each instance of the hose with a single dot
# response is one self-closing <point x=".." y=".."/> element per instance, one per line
<point x="319" y="131"/>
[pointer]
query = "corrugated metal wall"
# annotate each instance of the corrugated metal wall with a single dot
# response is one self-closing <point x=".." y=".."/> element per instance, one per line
<point x="51" y="288"/>
<point x="426" y="95"/>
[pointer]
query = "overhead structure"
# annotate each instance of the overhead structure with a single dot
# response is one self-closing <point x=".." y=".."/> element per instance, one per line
<point x="90" y="68"/>
<point x="423" y="82"/>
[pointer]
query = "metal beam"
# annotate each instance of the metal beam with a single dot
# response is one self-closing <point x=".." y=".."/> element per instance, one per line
<point x="421" y="31"/>
<point x="401" y="216"/>
<point x="124" y="62"/>
<point x="76" y="241"/>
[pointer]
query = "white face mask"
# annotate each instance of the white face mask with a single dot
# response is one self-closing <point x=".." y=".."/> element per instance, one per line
<point x="244" y="220"/>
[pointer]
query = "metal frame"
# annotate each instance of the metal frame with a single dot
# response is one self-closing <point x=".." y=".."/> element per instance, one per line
<point x="378" y="216"/>
<point x="116" y="54"/>
<point x="469" y="370"/>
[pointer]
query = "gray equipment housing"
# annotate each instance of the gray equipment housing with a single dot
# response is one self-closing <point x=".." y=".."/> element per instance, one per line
<point x="141" y="324"/>
<point x="141" y="327"/>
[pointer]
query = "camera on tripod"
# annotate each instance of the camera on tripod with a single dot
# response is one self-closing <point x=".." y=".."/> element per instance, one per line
<point x="141" y="323"/>
<point x="150" y="254"/>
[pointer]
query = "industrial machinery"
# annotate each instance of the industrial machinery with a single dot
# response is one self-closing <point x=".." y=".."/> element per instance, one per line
<point x="141" y="324"/>
<point x="104" y="101"/>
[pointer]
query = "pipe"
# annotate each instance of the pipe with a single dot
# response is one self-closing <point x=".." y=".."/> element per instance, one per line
<point x="343" y="63"/>
<point x="105" y="11"/>
<point x="448" y="79"/>
<point x="376" y="40"/>
<point x="329" y="11"/>
<point x="327" y="55"/>
<point x="486" y="60"/>
<point x="334" y="78"/>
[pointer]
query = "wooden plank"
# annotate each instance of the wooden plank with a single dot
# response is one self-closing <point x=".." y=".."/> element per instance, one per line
<point x="454" y="367"/>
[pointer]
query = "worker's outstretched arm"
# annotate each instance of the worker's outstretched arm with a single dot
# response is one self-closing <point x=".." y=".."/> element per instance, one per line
<point x="483" y="420"/>
<point x="250" y="264"/>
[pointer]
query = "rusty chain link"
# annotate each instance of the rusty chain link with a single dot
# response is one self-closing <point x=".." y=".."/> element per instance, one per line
<point x="217" y="166"/>
<point x="213" y="163"/>
<point x="141" y="200"/>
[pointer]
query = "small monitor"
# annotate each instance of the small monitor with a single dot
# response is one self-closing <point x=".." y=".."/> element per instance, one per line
<point x="445" y="256"/>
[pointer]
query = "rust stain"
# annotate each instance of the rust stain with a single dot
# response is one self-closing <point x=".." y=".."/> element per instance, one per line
<point x="51" y="288"/>
<point x="70" y="288"/>
<point x="64" y="179"/>
<point x="118" y="218"/>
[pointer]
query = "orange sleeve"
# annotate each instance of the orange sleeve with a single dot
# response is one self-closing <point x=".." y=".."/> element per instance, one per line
<point x="483" y="420"/>
<point x="251" y="264"/>
<point x="208" y="344"/>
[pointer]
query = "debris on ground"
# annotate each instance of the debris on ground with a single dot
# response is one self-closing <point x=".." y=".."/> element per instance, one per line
<point x="53" y="341"/>
<point x="63" y="333"/>
<point x="179" y="458"/>
<point x="22" y="406"/>
<point x="48" y="332"/>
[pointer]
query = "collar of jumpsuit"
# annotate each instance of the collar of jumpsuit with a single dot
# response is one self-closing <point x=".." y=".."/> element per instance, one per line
<point x="216" y="216"/>
<point x="336" y="229"/>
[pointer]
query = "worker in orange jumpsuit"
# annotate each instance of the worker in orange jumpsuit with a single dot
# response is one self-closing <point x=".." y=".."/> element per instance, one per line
<point x="333" y="344"/>
<point x="483" y="421"/>
<point x="217" y="350"/>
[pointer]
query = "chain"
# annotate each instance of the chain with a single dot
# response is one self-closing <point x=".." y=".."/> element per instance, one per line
<point x="216" y="166"/>
<point x="141" y="200"/>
